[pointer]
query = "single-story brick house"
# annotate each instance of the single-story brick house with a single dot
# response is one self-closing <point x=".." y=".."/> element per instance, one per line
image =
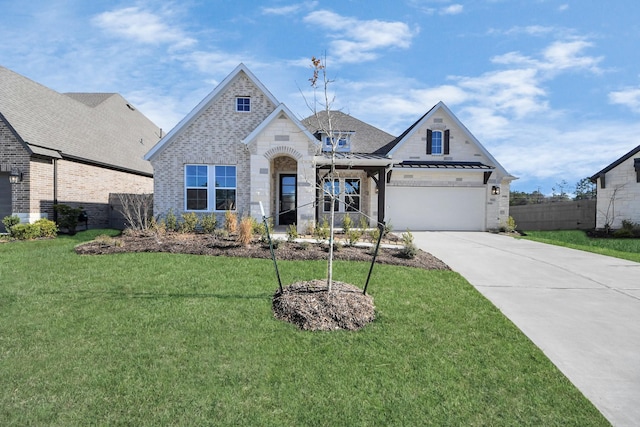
<point x="240" y="149"/>
<point x="618" y="191"/>
<point x="72" y="148"/>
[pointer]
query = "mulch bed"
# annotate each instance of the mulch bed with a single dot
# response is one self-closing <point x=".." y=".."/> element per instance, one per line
<point x="306" y="304"/>
<point x="207" y="244"/>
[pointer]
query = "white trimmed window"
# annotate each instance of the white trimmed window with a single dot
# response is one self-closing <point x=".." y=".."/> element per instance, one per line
<point x="210" y="187"/>
<point x="345" y="194"/>
<point x="343" y="144"/>
<point x="438" y="142"/>
<point x="243" y="104"/>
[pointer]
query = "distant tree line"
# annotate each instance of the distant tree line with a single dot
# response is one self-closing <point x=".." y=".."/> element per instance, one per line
<point x="561" y="192"/>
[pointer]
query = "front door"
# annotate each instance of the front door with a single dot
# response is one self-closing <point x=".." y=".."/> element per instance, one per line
<point x="5" y="198"/>
<point x="287" y="203"/>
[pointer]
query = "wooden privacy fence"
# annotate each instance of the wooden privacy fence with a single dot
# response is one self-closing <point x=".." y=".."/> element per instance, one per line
<point x="579" y="214"/>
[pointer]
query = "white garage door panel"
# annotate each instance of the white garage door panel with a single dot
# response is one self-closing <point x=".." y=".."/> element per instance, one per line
<point x="436" y="208"/>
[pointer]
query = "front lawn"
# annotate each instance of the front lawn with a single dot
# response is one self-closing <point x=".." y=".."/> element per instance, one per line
<point x="628" y="249"/>
<point x="166" y="339"/>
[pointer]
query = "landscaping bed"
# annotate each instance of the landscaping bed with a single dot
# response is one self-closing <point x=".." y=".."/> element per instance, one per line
<point x="212" y="245"/>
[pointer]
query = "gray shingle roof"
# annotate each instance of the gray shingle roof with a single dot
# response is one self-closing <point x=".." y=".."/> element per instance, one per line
<point x="99" y="128"/>
<point x="365" y="138"/>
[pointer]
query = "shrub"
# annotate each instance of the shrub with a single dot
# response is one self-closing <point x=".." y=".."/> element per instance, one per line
<point x="292" y="232"/>
<point x="246" y="230"/>
<point x="304" y="245"/>
<point x="231" y="222"/>
<point x="354" y="235"/>
<point x="137" y="209"/>
<point x="158" y="226"/>
<point x="388" y="228"/>
<point x="25" y="231"/>
<point x="10" y="221"/>
<point x="208" y="223"/>
<point x="189" y="222"/>
<point x="309" y="228"/>
<point x="374" y="235"/>
<point x="47" y="227"/>
<point x="509" y="226"/>
<point x="68" y="217"/>
<point x="347" y="223"/>
<point x="322" y="230"/>
<point x="409" y="250"/>
<point x="627" y="224"/>
<point x="171" y="221"/>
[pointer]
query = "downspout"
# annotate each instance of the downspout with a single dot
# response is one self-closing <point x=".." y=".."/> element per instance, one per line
<point x="55" y="189"/>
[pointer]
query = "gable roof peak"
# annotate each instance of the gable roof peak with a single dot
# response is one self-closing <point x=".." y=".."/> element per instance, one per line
<point x="219" y="89"/>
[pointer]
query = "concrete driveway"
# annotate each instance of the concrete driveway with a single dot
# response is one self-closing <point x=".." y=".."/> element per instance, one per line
<point x="581" y="309"/>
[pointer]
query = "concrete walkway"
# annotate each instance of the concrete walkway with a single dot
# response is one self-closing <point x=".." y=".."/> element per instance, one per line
<point x="581" y="309"/>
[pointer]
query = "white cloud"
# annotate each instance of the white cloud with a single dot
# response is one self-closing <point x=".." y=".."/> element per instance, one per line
<point x="454" y="9"/>
<point x="357" y="40"/>
<point x="142" y="26"/>
<point x="289" y="10"/>
<point x="629" y="97"/>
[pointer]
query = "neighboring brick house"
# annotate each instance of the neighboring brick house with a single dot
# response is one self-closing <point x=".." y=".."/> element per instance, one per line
<point x="618" y="191"/>
<point x="240" y="149"/>
<point x="72" y="148"/>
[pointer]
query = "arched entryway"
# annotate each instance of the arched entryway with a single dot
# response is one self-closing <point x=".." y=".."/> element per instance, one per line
<point x="285" y="190"/>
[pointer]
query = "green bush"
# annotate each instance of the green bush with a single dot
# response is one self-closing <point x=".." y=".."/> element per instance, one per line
<point x="25" y="231"/>
<point x="208" y="223"/>
<point x="47" y="227"/>
<point x="10" y="221"/>
<point x="354" y="235"/>
<point x="409" y="250"/>
<point x="374" y="235"/>
<point x="347" y="223"/>
<point x="292" y="232"/>
<point x="68" y="217"/>
<point x="171" y="221"/>
<point x="322" y="230"/>
<point x="189" y="222"/>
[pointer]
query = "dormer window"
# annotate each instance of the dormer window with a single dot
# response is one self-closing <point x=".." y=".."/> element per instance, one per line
<point x="243" y="104"/>
<point x="343" y="143"/>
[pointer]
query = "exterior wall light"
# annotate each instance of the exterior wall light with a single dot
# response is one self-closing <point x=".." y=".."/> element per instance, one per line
<point x="495" y="190"/>
<point x="15" y="176"/>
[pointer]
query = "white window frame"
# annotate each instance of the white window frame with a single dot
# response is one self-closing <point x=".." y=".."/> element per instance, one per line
<point x="343" y="145"/>
<point x="340" y="202"/>
<point x="433" y="150"/>
<point x="211" y="188"/>
<point x="248" y="104"/>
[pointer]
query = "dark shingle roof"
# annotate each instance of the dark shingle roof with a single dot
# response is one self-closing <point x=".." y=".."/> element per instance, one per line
<point x="98" y="128"/>
<point x="364" y="139"/>
<point x="388" y="147"/>
<point x="622" y="159"/>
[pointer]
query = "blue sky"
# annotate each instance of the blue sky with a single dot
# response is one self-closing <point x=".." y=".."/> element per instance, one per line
<point x="550" y="87"/>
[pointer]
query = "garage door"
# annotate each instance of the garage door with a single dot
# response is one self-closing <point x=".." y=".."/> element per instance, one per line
<point x="436" y="208"/>
<point x="5" y="198"/>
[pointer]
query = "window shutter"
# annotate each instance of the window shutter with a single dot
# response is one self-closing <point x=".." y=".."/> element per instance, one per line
<point x="446" y="141"/>
<point x="429" y="141"/>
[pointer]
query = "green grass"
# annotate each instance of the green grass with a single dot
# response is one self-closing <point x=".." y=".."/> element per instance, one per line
<point x="628" y="249"/>
<point x="162" y="339"/>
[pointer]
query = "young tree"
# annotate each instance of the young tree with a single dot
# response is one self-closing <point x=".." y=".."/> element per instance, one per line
<point x="321" y="109"/>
